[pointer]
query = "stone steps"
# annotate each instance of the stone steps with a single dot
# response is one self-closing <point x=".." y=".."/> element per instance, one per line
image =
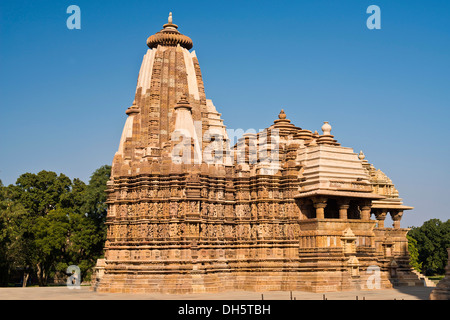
<point x="427" y="282"/>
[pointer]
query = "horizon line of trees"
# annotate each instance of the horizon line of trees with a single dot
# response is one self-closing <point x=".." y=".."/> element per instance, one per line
<point x="49" y="222"/>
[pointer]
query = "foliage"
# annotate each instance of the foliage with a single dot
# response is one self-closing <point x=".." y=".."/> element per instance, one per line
<point x="95" y="196"/>
<point x="42" y="192"/>
<point x="413" y="254"/>
<point x="48" y="222"/>
<point x="13" y="218"/>
<point x="433" y="239"/>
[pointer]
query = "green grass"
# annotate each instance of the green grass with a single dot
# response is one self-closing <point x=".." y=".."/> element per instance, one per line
<point x="436" y="278"/>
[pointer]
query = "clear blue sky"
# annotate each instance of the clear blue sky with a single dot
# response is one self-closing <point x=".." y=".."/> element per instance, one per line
<point x="387" y="92"/>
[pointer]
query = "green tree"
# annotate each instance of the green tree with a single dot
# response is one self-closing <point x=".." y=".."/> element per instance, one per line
<point x="44" y="196"/>
<point x="42" y="192"/>
<point x="5" y="236"/>
<point x="433" y="237"/>
<point x="50" y="239"/>
<point x="4" y="266"/>
<point x="84" y="242"/>
<point x="13" y="219"/>
<point x="413" y="254"/>
<point x="95" y="197"/>
<point x="48" y="222"/>
<point x="90" y="236"/>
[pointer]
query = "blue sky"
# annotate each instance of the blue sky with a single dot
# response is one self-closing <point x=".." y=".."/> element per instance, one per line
<point x="387" y="92"/>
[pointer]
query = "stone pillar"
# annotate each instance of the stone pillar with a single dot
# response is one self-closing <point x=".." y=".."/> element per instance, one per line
<point x="396" y="216"/>
<point x="380" y="215"/>
<point x="320" y="203"/>
<point x="344" y="204"/>
<point x="366" y="206"/>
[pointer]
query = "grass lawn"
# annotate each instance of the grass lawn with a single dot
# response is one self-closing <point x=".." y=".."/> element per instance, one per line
<point x="436" y="278"/>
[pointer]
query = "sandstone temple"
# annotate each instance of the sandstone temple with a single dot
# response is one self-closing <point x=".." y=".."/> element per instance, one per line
<point x="284" y="208"/>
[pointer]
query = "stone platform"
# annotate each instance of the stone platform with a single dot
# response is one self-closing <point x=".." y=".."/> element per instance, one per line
<point x="84" y="293"/>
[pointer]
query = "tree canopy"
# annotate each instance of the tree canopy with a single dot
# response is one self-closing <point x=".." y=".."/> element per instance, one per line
<point x="48" y="222"/>
<point x="432" y="240"/>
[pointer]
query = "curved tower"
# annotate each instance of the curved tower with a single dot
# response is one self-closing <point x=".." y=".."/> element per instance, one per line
<point x="169" y="73"/>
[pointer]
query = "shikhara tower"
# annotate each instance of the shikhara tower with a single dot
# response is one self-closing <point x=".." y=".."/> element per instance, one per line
<point x="284" y="209"/>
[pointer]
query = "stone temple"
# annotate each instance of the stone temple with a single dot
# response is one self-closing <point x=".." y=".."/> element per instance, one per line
<point x="284" y="208"/>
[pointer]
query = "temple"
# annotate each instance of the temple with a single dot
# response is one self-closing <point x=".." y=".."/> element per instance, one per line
<point x="284" y="208"/>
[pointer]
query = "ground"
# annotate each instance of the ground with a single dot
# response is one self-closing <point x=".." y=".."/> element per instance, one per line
<point x="85" y="293"/>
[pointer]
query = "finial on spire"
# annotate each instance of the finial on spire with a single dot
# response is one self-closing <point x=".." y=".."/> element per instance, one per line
<point x="169" y="36"/>
<point x="361" y="156"/>
<point x="326" y="128"/>
<point x="170" y="26"/>
<point x="282" y="115"/>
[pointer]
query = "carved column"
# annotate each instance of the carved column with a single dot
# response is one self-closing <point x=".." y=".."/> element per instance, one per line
<point x="396" y="217"/>
<point x="366" y="206"/>
<point x="344" y="204"/>
<point x="320" y="203"/>
<point x="380" y="215"/>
